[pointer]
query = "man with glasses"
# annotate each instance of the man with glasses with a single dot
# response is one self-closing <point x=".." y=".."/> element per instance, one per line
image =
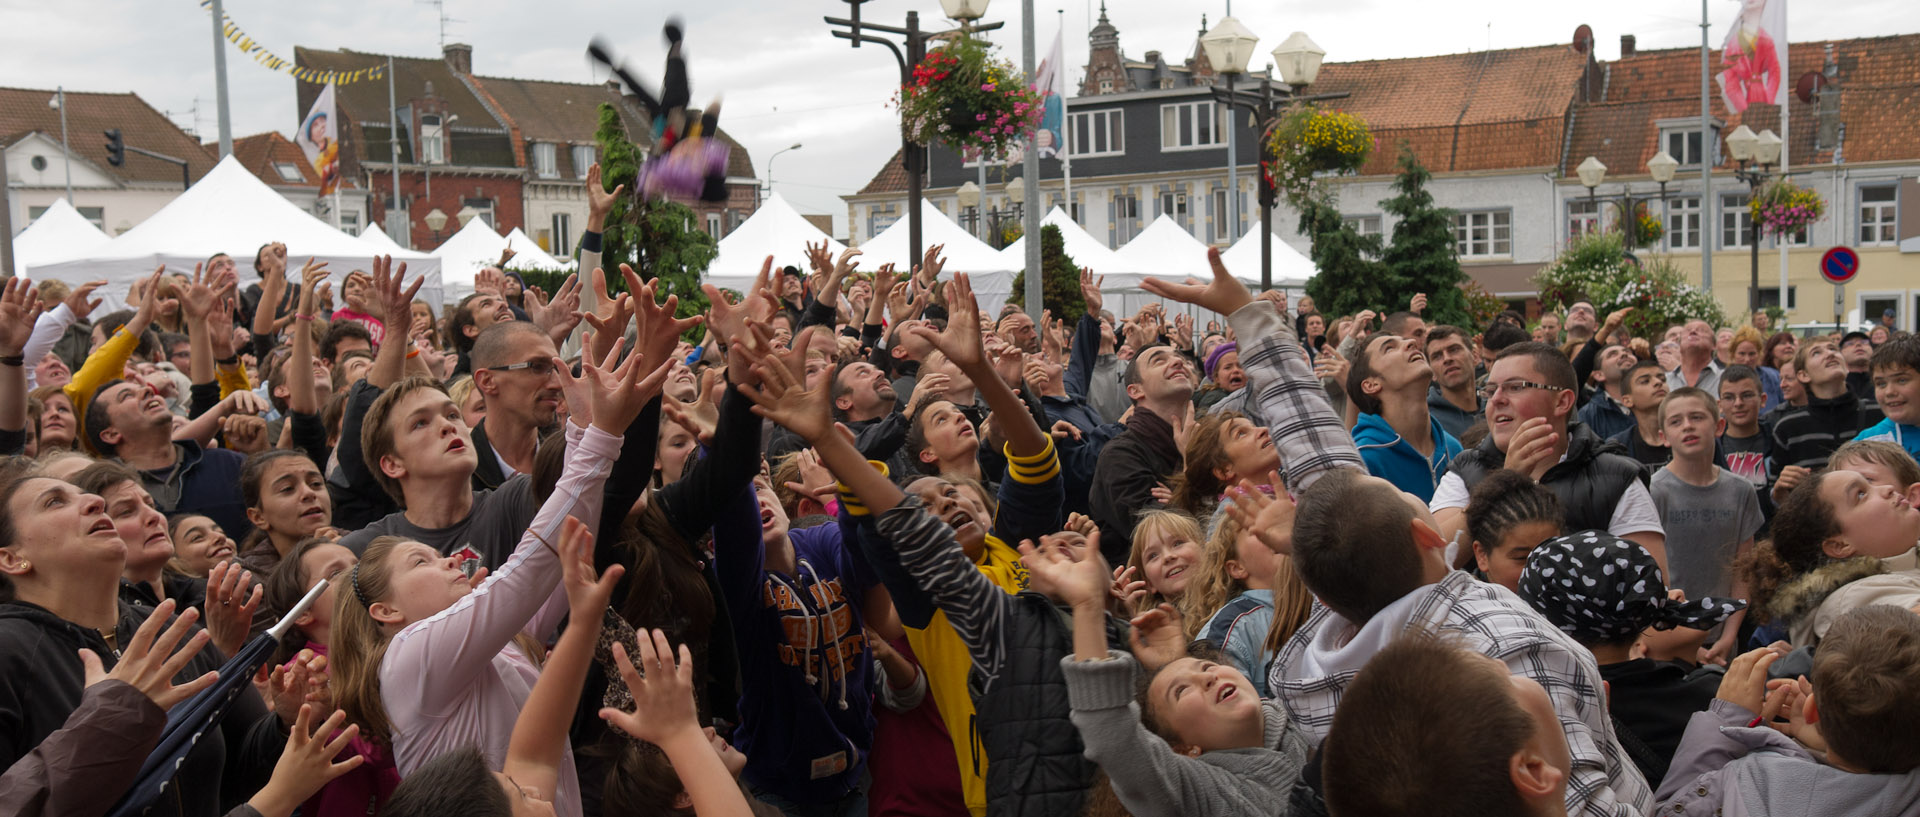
<point x="1529" y="400"/>
<point x="513" y="368"/>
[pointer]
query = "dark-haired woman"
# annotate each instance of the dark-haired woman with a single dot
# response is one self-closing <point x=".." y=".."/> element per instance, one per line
<point x="61" y="558"/>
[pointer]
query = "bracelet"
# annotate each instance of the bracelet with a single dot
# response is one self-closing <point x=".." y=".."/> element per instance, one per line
<point x="413" y="353"/>
<point x="299" y="317"/>
<point x="230" y="360"/>
<point x="13" y="360"/>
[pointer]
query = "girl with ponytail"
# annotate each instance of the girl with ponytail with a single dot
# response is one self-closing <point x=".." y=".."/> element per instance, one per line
<point x="1839" y="542"/>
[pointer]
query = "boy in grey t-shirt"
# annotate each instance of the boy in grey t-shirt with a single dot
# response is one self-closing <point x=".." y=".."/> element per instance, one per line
<point x="1710" y="514"/>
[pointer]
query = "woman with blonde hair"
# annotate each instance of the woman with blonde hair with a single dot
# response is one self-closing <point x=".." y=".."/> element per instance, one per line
<point x="1223" y="448"/>
<point x="1166" y="555"/>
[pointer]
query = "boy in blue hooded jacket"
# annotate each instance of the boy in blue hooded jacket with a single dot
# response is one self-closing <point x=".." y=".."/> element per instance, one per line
<point x="1398" y="437"/>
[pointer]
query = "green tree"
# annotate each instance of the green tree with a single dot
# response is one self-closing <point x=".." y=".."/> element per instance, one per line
<point x="619" y="164"/>
<point x="1422" y="256"/>
<point x="1348" y="280"/>
<point x="1059" y="280"/>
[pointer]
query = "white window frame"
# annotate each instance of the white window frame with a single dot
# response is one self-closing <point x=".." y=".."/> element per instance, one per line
<point x="1583" y="217"/>
<point x="433" y="140"/>
<point x="583" y="158"/>
<point x="1487" y="244"/>
<point x="545" y="159"/>
<point x="1125" y="224"/>
<point x="1366" y="224"/>
<point x="350" y="221"/>
<point x="1793" y="296"/>
<point x="1690" y="126"/>
<point x="1897" y="296"/>
<point x="1082" y="127"/>
<point x="1887" y="221"/>
<point x="713" y="225"/>
<point x="1185" y="135"/>
<point x="289" y="172"/>
<point x="1678" y="210"/>
<point x="484" y="207"/>
<point x="562" y="232"/>
<point x="1736" y="221"/>
<point x="1174" y="203"/>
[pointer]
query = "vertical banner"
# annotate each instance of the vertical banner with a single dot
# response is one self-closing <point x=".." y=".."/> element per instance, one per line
<point x="1755" y="56"/>
<point x="1050" y="82"/>
<point x="316" y="139"/>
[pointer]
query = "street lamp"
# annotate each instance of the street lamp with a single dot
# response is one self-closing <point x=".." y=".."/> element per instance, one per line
<point x="776" y="155"/>
<point x="1229" y="47"/>
<point x="911" y="155"/>
<point x="58" y="102"/>
<point x="1299" y="65"/>
<point x="1754" y="155"/>
<point x="466" y="214"/>
<point x="970" y="203"/>
<point x="1593" y="172"/>
<point x="436" y="221"/>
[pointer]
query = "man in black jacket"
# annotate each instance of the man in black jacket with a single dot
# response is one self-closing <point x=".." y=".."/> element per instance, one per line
<point x="1804" y="435"/>
<point x="1160" y="383"/>
<point x="1529" y="400"/>
<point x="513" y="368"/>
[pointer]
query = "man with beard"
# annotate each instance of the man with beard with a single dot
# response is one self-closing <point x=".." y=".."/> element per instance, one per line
<point x="864" y="400"/>
<point x="1452" y="399"/>
<point x="1398" y="437"/>
<point x="1016" y="328"/>
<point x="513" y="368"/>
<point x="1145" y="455"/>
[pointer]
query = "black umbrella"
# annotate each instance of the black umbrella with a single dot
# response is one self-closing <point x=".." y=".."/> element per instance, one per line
<point x="194" y="716"/>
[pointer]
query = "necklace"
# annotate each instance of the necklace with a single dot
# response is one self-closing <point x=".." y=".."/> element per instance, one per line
<point x="110" y="635"/>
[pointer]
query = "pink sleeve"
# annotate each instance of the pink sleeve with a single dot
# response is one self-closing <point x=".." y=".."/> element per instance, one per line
<point x="462" y="640"/>
<point x="546" y="621"/>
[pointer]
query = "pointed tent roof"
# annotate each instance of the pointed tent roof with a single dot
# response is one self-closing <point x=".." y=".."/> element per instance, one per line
<point x="382" y="243"/>
<point x="1085" y="250"/>
<point x="964" y="253"/>
<point x="228" y="210"/>
<point x="527" y="253"/>
<point x="59" y="233"/>
<point x="1166" y="250"/>
<point x="774" y="229"/>
<point x="464" y="253"/>
<point x="1290" y="268"/>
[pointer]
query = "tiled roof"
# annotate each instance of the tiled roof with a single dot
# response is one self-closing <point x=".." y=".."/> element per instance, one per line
<point x="260" y="152"/>
<point x="892" y="177"/>
<point x="569" y="113"/>
<point x="1879" y="79"/>
<point x="88" y="114"/>
<point x="1458" y="112"/>
<point x="367" y="101"/>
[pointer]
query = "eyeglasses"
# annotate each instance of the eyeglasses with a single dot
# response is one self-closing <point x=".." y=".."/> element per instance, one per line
<point x="1514" y="388"/>
<point x="540" y="368"/>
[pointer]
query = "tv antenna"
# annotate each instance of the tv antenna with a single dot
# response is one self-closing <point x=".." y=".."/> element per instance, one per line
<point x="440" y="9"/>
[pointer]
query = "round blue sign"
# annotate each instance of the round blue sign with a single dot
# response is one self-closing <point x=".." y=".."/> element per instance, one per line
<point x="1839" y="265"/>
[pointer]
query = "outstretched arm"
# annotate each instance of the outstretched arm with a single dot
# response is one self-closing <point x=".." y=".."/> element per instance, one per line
<point x="540" y="734"/>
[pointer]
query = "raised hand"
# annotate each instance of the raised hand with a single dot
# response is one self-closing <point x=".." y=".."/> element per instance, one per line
<point x="150" y="663"/>
<point x="306" y="765"/>
<point x="147" y="292"/>
<point x="1267" y="517"/>
<point x="1531" y="449"/>
<point x="656" y="330"/>
<point x="960" y="341"/>
<point x="19" y="309"/>
<point x="244" y="433"/>
<point x="663" y="697"/>
<point x="1224" y="295"/>
<point x="1745" y="683"/>
<point x="932" y="262"/>
<point x="558" y="315"/>
<point x="1126" y="589"/>
<point x="782" y="394"/>
<point x="730" y="318"/>
<point x="587" y="589"/>
<point x="1419" y="303"/>
<point x="1054" y="572"/>
<point x="1090" y="290"/>
<point x="818" y="258"/>
<point x="1158" y="637"/>
<point x="600" y="200"/>
<point x="614" y="395"/>
<point x="230" y="607"/>
<point x="81" y="302"/>
<point x="389" y="290"/>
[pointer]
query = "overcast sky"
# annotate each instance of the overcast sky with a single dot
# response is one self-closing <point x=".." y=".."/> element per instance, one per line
<point x="784" y="78"/>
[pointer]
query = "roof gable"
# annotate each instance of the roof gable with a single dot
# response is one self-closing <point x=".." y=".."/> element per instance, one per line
<point x="88" y="114"/>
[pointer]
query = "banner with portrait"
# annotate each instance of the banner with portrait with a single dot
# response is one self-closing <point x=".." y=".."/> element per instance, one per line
<point x="1754" y="57"/>
<point x="316" y="139"/>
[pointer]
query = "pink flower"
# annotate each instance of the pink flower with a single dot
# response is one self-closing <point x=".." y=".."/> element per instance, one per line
<point x="987" y="87"/>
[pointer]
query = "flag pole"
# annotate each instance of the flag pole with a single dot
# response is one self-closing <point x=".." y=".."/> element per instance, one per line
<point x="1786" y="137"/>
<point x="1066" y="127"/>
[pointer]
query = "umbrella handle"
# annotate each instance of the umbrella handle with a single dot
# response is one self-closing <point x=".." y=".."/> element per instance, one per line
<point x="286" y="620"/>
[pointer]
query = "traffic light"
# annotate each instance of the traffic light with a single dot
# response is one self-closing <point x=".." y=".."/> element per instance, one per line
<point x="116" y="149"/>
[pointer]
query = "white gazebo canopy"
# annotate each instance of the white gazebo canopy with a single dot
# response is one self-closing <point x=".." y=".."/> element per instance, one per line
<point x="229" y="210"/>
<point x="774" y="229"/>
<point x="528" y="255"/>
<point x="1085" y="250"/>
<point x="991" y="271"/>
<point x="1290" y="269"/>
<point x="59" y="233"/>
<point x="1164" y="250"/>
<point x="382" y="243"/>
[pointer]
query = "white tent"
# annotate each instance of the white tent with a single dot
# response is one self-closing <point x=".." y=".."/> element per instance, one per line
<point x="1164" y="250"/>
<point x="1081" y="246"/>
<point x="528" y="255"/>
<point x="382" y="243"/>
<point x="991" y="272"/>
<point x="775" y="229"/>
<point x="58" y="234"/>
<point x="1290" y="269"/>
<point x="229" y="210"/>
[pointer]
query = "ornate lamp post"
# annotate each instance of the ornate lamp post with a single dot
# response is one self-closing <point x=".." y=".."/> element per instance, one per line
<point x="1229" y="46"/>
<point x="1627" y="206"/>
<point x="1755" y="156"/>
<point x="436" y="221"/>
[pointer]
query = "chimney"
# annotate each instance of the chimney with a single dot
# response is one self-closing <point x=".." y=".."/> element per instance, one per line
<point x="1628" y="45"/>
<point x="459" y="57"/>
<point x="1153" y="57"/>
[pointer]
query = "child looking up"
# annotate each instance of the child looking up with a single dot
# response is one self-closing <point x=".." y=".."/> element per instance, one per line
<point x="1710" y="514"/>
<point x="1507" y="515"/>
<point x="1896" y="387"/>
<point x="1646" y="387"/>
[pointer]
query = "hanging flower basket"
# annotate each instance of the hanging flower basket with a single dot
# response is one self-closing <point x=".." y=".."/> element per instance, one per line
<point x="1783" y="208"/>
<point x="1306" y="141"/>
<point x="1647" y="229"/>
<point x="963" y="96"/>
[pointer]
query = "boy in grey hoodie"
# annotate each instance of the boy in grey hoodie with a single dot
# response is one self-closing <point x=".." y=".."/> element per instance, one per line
<point x="1855" y="751"/>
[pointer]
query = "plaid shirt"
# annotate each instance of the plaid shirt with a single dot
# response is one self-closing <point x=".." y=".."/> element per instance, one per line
<point x="1498" y="624"/>
<point x="1307" y="432"/>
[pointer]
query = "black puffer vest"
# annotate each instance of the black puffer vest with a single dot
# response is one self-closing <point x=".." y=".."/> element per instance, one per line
<point x="1037" y="765"/>
<point x="1589" y="483"/>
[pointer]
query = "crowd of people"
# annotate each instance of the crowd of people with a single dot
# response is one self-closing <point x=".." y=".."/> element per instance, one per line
<point x="847" y="543"/>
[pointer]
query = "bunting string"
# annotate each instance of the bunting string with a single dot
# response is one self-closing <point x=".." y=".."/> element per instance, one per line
<point x="259" y="53"/>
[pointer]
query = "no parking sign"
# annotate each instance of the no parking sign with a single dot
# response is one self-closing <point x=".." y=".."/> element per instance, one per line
<point x="1839" y="265"/>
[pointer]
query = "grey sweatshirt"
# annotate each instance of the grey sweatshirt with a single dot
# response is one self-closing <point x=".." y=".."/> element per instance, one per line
<point x="1151" y="779"/>
<point x="1725" y="768"/>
